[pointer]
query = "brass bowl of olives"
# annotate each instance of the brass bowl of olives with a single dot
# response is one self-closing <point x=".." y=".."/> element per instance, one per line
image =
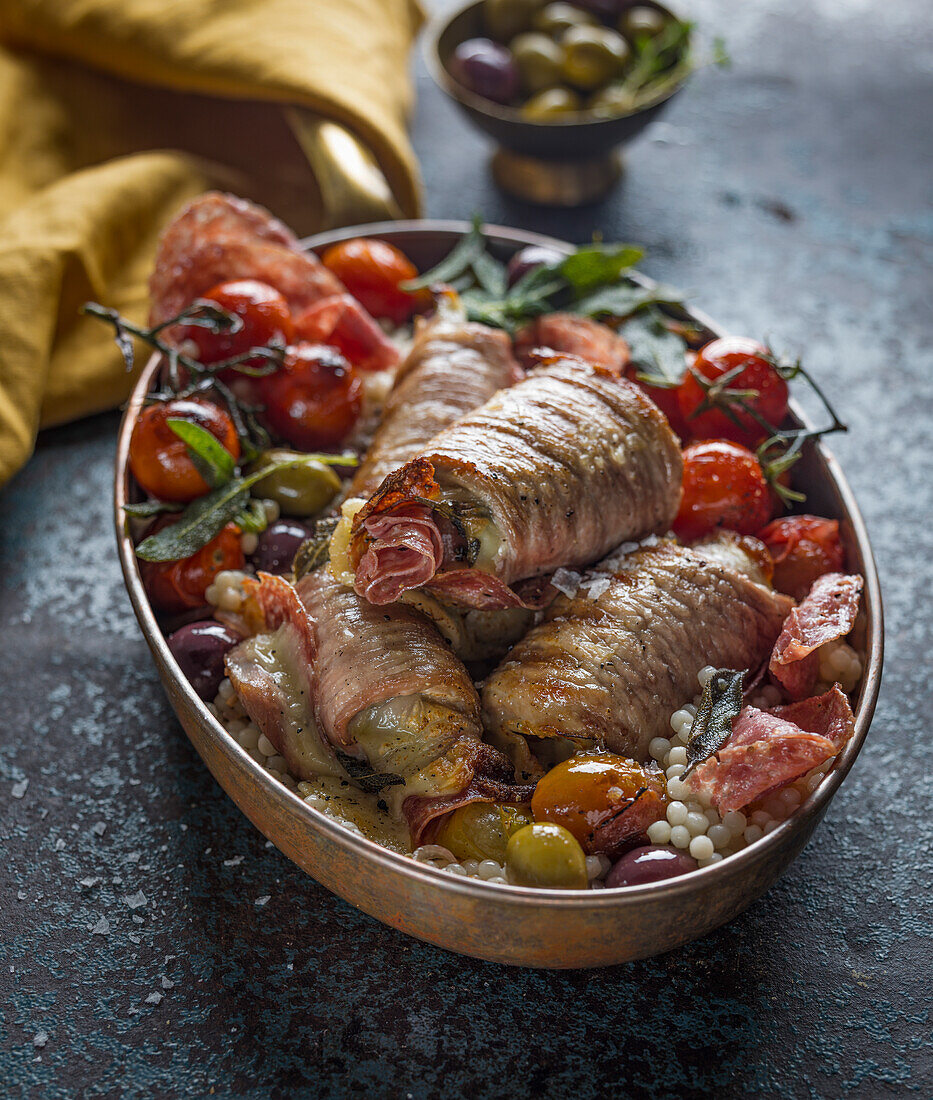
<point x="559" y="85"/>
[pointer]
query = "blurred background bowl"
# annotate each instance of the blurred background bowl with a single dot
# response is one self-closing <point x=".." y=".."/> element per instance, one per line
<point x="565" y="161"/>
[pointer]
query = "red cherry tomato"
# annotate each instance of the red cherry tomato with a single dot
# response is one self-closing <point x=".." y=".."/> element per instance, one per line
<point x="159" y="459"/>
<point x="749" y="366"/>
<point x="176" y="586"/>
<point x="665" y="398"/>
<point x="803" y="549"/>
<point x="723" y="487"/>
<point x="314" y="399"/>
<point x="265" y="320"/>
<point x="371" y="271"/>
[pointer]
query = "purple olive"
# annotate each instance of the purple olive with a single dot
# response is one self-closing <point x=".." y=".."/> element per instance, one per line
<point x="199" y="648"/>
<point x="527" y="259"/>
<point x="277" y="545"/>
<point x="649" y="864"/>
<point x="487" y="69"/>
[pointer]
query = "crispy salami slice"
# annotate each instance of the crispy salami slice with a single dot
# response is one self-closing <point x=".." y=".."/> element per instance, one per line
<point x="552" y="472"/>
<point x="570" y="334"/>
<point x="218" y="237"/>
<point x="452" y="368"/>
<point x="609" y="665"/>
<point x="769" y="749"/>
<point x="827" y="613"/>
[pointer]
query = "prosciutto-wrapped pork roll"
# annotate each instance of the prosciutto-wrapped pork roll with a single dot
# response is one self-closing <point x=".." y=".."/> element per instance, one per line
<point x="609" y="664"/>
<point x="342" y="688"/>
<point x="552" y="472"/>
<point x="453" y="367"/>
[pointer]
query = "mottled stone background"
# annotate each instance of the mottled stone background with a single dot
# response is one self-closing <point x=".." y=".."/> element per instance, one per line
<point x="154" y="944"/>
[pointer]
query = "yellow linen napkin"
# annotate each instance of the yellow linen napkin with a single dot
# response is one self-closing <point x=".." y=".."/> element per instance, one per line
<point x="115" y="112"/>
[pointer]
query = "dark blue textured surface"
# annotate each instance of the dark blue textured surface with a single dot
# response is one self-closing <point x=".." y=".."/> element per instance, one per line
<point x="791" y="195"/>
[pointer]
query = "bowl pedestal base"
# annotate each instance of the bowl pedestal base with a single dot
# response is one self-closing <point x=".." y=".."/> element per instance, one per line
<point x="555" y="182"/>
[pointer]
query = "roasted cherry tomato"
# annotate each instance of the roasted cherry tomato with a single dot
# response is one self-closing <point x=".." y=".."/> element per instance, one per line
<point x="314" y="399"/>
<point x="371" y="271"/>
<point x="666" y="398"/>
<point x="160" y="460"/>
<point x="803" y="548"/>
<point x="604" y="800"/>
<point x="726" y="374"/>
<point x="265" y="319"/>
<point x="723" y="487"/>
<point x="176" y="586"/>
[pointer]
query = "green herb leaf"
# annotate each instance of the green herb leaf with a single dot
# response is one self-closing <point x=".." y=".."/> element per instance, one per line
<point x="215" y="463"/>
<point x="719" y="706"/>
<point x="459" y="261"/>
<point x="148" y="508"/>
<point x="598" y="264"/>
<point x="490" y="274"/>
<point x="659" y="354"/>
<point x="361" y="772"/>
<point x="201" y="521"/>
<point x="624" y="299"/>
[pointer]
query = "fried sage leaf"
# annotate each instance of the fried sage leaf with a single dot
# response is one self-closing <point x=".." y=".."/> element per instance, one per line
<point x="363" y="775"/>
<point x="146" y="509"/>
<point x="659" y="354"/>
<point x="315" y="551"/>
<point x="212" y="459"/>
<point x="712" y="727"/>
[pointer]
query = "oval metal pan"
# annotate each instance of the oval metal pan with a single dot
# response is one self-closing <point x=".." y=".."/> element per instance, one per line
<point x="509" y="924"/>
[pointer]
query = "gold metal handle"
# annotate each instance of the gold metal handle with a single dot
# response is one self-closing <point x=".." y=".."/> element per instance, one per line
<point x="352" y="185"/>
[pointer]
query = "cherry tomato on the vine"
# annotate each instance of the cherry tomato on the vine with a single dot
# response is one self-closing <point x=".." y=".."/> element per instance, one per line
<point x="726" y="374"/>
<point x="665" y="397"/>
<point x="314" y="399"/>
<point x="265" y="319"/>
<point x="723" y="486"/>
<point x="176" y="586"/>
<point x="803" y="549"/>
<point x="372" y="270"/>
<point x="160" y="460"/>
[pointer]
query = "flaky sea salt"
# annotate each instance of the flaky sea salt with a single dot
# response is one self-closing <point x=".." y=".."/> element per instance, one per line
<point x="40" y="1039"/>
<point x="566" y="581"/>
<point x="233" y="861"/>
<point x="597" y="586"/>
<point x="167" y="983"/>
<point x="263" y="900"/>
<point x="99" y="828"/>
<point x="136" y="901"/>
<point x="102" y="928"/>
<point x="19" y="789"/>
<point x="154" y="998"/>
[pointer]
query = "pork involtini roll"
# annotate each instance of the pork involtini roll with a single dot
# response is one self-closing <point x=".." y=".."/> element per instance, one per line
<point x="370" y="696"/>
<point x="610" y="663"/>
<point x="552" y="472"/>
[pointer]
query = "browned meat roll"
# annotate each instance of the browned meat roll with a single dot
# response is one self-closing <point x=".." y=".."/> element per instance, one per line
<point x="552" y="472"/>
<point x="344" y="689"/>
<point x="453" y="367"/>
<point x="609" y="665"/>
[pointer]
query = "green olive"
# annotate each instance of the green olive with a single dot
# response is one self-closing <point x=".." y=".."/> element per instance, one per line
<point x="593" y="56"/>
<point x="299" y="490"/>
<point x="506" y="18"/>
<point x="610" y="102"/>
<point x="641" y="22"/>
<point x="539" y="59"/>
<point x="481" y="830"/>
<point x="546" y="855"/>
<point x="552" y="103"/>
<point x="557" y="18"/>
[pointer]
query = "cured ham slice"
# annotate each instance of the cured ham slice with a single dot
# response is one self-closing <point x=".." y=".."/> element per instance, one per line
<point x="452" y="368"/>
<point x="827" y="613"/>
<point x="610" y="663"/>
<point x="217" y="238"/>
<point x="769" y="749"/>
<point x="570" y="334"/>
<point x="552" y="472"/>
<point x="343" y="323"/>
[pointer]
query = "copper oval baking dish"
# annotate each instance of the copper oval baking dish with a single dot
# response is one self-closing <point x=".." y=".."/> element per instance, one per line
<point x="509" y="924"/>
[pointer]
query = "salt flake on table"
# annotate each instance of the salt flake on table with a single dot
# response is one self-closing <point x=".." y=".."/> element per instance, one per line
<point x="167" y="983"/>
<point x="19" y="789"/>
<point x="40" y="1039"/>
<point x="135" y="901"/>
<point x="154" y="998"/>
<point x="91" y="880"/>
<point x="59" y="845"/>
<point x="233" y="862"/>
<point x="102" y="928"/>
<point x="263" y="900"/>
<point x="99" y="828"/>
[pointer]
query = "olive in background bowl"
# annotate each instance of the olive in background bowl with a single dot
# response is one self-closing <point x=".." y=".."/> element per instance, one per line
<point x="547" y="81"/>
